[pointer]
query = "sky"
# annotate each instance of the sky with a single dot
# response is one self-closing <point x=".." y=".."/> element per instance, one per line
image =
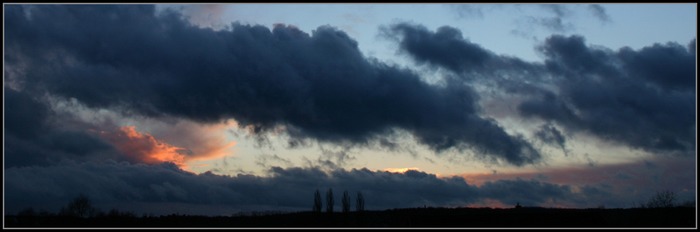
<point x="216" y="109"/>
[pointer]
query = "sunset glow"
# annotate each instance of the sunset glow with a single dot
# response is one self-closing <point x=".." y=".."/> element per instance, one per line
<point x="400" y="170"/>
<point x="256" y="106"/>
<point x="143" y="147"/>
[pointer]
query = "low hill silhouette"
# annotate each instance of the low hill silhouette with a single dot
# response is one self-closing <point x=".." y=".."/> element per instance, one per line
<point x="673" y="217"/>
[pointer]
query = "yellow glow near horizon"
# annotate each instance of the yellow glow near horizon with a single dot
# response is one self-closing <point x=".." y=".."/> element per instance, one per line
<point x="400" y="170"/>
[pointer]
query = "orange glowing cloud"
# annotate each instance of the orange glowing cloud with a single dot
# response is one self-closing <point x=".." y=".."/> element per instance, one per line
<point x="186" y="141"/>
<point x="143" y="147"/>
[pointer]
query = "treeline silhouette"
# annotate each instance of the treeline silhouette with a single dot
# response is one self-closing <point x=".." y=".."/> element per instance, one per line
<point x="80" y="213"/>
<point x="359" y="205"/>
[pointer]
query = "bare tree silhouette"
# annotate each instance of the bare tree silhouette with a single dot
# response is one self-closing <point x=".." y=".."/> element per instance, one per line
<point x="346" y="202"/>
<point x="360" y="206"/>
<point x="329" y="201"/>
<point x="317" y="202"/>
<point x="79" y="207"/>
<point x="662" y="199"/>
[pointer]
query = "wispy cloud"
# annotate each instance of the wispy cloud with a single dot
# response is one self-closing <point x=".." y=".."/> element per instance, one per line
<point x="599" y="11"/>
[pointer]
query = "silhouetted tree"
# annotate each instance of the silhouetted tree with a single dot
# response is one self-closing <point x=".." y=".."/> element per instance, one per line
<point x="79" y="207"/>
<point x="346" y="202"/>
<point x="317" y="202"/>
<point x="663" y="199"/>
<point x="329" y="201"/>
<point x="360" y="206"/>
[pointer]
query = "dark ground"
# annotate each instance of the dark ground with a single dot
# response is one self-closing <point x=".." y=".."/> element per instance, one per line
<point x="416" y="217"/>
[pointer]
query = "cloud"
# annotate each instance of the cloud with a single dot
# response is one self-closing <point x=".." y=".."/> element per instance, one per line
<point x="109" y="183"/>
<point x="197" y="141"/>
<point x="129" y="186"/>
<point x="691" y="47"/>
<point x="43" y="131"/>
<point x="525" y="192"/>
<point x="615" y="98"/>
<point x="599" y="12"/>
<point x="549" y="134"/>
<point x="32" y="136"/>
<point x="28" y="116"/>
<point x="317" y="86"/>
<point x="554" y="24"/>
<point x="612" y="185"/>
<point x="160" y="67"/>
<point x="562" y="18"/>
<point x="143" y="147"/>
<point x="205" y="15"/>
<point x="267" y="161"/>
<point x="562" y="11"/>
<point x="467" y="10"/>
<point x="559" y="22"/>
<point x="638" y="98"/>
<point x="559" y="10"/>
<point x="445" y="47"/>
<point x="670" y="65"/>
<point x="558" y="18"/>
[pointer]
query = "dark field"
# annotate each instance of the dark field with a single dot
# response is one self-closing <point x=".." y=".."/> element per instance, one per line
<point x="680" y="217"/>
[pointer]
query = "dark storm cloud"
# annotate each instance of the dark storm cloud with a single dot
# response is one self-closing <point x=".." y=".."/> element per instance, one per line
<point x="642" y="98"/>
<point x="316" y="85"/>
<point x="111" y="184"/>
<point x="445" y="47"/>
<point x="691" y="47"/>
<point x="28" y="116"/>
<point x="671" y="66"/>
<point x="31" y="138"/>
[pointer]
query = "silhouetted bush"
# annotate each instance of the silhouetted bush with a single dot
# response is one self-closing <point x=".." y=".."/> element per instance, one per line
<point x="663" y="199"/>
<point x="79" y="207"/>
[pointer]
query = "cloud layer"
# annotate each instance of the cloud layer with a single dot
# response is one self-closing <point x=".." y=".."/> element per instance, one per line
<point x="643" y="99"/>
<point x="316" y="86"/>
<point x="146" y="65"/>
<point x="114" y="183"/>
